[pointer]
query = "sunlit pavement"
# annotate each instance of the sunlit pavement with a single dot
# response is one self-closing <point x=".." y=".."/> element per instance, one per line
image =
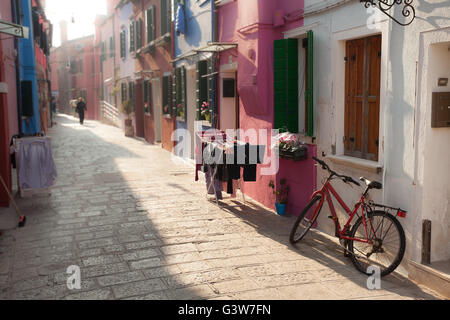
<point x="139" y="227"/>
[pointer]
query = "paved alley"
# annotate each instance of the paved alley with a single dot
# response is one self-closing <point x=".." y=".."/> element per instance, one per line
<point x="137" y="224"/>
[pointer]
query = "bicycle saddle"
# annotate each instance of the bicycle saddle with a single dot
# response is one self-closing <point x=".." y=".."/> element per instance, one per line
<point x="372" y="184"/>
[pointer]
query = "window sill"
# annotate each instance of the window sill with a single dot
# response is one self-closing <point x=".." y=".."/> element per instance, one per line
<point x="362" y="164"/>
<point x="205" y="123"/>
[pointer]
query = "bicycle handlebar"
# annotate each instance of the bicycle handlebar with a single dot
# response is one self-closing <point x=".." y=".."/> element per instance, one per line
<point x="344" y="178"/>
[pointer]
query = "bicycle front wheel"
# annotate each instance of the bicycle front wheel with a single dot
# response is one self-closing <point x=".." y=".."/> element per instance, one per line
<point x="387" y="246"/>
<point x="306" y="219"/>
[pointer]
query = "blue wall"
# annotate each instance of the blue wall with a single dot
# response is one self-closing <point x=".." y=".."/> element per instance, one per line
<point x="198" y="32"/>
<point x="27" y="69"/>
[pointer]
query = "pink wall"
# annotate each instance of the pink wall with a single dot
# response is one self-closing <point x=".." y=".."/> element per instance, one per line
<point x="10" y="70"/>
<point x="250" y="24"/>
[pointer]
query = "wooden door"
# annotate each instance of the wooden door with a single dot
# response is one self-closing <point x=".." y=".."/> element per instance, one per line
<point x="362" y="92"/>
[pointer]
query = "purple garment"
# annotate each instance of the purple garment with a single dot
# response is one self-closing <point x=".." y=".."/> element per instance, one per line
<point x="217" y="184"/>
<point x="37" y="168"/>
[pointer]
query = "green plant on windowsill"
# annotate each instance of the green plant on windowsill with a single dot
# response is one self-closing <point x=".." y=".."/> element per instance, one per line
<point x="147" y="109"/>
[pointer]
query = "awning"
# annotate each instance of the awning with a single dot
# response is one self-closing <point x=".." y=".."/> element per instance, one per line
<point x="211" y="47"/>
<point x="217" y="47"/>
<point x="14" y="29"/>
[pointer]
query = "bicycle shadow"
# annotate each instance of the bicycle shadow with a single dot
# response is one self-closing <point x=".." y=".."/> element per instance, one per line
<point x="323" y="260"/>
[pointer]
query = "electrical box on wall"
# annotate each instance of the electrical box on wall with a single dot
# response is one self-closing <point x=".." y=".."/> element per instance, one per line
<point x="440" y="114"/>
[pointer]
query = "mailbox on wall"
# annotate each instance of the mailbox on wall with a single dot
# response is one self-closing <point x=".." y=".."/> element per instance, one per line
<point x="440" y="115"/>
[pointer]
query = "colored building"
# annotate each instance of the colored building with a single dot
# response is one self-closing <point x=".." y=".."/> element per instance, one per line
<point x="24" y="76"/>
<point x="385" y="131"/>
<point x="125" y="47"/>
<point x="107" y="66"/>
<point x="73" y="73"/>
<point x="195" y="80"/>
<point x="154" y="73"/>
<point x="267" y="88"/>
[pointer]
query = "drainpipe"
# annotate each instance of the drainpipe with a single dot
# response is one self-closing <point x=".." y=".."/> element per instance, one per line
<point x="15" y="12"/>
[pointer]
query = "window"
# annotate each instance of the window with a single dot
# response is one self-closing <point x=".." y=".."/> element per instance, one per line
<point x="362" y="94"/>
<point x="139" y="33"/>
<point x="111" y="47"/>
<point x="122" y="44"/>
<point x="123" y="92"/>
<point x="165" y="17"/>
<point x="167" y="95"/>
<point x="131" y="94"/>
<point x="132" y="36"/>
<point x="148" y="102"/>
<point x="150" y="21"/>
<point x="179" y="93"/>
<point x="202" y="88"/>
<point x="103" y="51"/>
<point x="293" y="85"/>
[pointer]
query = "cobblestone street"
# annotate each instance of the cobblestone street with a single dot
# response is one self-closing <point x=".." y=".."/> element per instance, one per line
<point x="139" y="226"/>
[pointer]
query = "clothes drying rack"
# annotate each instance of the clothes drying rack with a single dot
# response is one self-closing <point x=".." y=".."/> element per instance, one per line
<point x="28" y="192"/>
<point x="219" y="138"/>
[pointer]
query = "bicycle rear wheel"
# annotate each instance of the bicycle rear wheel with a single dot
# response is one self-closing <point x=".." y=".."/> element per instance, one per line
<point x="388" y="243"/>
<point x="306" y="220"/>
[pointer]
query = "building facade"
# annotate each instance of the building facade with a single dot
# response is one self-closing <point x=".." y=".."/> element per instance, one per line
<point x="24" y="76"/>
<point x="154" y="71"/>
<point x="73" y="74"/>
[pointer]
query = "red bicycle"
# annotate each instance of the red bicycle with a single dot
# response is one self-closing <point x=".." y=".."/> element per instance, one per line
<point x="377" y="237"/>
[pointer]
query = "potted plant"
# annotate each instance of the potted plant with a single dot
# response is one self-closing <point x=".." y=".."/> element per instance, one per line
<point x="128" y="109"/>
<point x="290" y="147"/>
<point x="180" y="111"/>
<point x="147" y="108"/>
<point x="206" y="111"/>
<point x="281" y="192"/>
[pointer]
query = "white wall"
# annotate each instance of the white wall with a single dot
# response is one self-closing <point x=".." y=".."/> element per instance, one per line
<point x="412" y="180"/>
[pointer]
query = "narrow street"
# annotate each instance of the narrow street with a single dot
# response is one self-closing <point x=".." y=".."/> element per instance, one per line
<point x="139" y="226"/>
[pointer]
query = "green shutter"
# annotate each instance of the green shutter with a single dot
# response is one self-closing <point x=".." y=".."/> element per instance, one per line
<point x="180" y="84"/>
<point x="202" y="86"/>
<point x="132" y="36"/>
<point x="139" y="34"/>
<point x="286" y="85"/>
<point x="150" y="18"/>
<point x="122" y="44"/>
<point x="310" y="90"/>
<point x="165" y="17"/>
<point x="211" y="85"/>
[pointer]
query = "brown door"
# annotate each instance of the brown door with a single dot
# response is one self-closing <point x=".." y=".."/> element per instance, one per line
<point x="138" y="94"/>
<point x="362" y="92"/>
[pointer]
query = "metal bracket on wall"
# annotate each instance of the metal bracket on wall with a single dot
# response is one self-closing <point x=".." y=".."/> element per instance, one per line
<point x="385" y="6"/>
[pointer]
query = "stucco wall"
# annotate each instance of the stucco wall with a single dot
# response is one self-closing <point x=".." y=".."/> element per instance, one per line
<point x="250" y="24"/>
<point x="410" y="171"/>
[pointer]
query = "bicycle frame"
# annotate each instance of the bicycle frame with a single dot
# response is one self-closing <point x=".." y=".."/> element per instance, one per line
<point x="326" y="192"/>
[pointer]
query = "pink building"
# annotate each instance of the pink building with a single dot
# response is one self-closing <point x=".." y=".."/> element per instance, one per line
<point x="73" y="73"/>
<point x="256" y="26"/>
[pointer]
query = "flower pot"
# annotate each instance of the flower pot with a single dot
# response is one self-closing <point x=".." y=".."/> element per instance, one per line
<point x="281" y="208"/>
<point x="129" y="129"/>
<point x="208" y="117"/>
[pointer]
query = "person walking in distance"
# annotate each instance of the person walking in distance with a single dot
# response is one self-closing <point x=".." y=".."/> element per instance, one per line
<point x="81" y="108"/>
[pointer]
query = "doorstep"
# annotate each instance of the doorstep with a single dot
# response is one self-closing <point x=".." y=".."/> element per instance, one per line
<point x="435" y="276"/>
